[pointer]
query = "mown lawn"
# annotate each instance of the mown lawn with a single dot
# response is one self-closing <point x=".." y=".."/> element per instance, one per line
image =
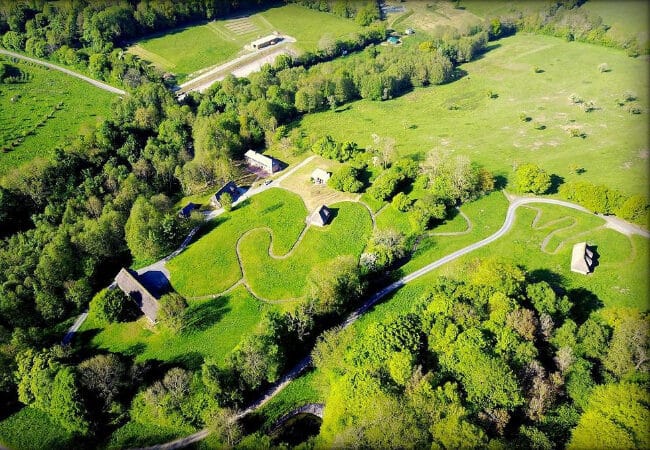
<point x="29" y="428"/>
<point x="209" y="265"/>
<point x="460" y="118"/>
<point x="44" y="112"/>
<point x="213" y="328"/>
<point x="277" y="279"/>
<point x="185" y="51"/>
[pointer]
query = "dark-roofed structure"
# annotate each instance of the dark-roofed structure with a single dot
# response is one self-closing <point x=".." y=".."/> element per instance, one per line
<point x="320" y="217"/>
<point x="229" y="188"/>
<point x="128" y="282"/>
<point x="582" y="259"/>
<point x="187" y="210"/>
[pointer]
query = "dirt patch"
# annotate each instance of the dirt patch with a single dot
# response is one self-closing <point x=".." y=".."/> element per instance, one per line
<point x="312" y="194"/>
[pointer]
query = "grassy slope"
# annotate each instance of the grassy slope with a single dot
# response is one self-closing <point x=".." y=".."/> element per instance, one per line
<point x="214" y="328"/>
<point x="625" y="18"/>
<point x="82" y="105"/>
<point x="31" y="429"/>
<point x="187" y="50"/>
<point x="277" y="279"/>
<point x="210" y="266"/>
<point x="490" y="132"/>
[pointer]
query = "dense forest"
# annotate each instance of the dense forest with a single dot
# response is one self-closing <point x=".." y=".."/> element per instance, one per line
<point x="497" y="361"/>
<point x="105" y="201"/>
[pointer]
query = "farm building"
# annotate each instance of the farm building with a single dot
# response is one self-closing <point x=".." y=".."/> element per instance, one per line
<point x="265" y="41"/>
<point x="187" y="210"/>
<point x="582" y="258"/>
<point x="320" y="217"/>
<point x="320" y="176"/>
<point x="228" y="188"/>
<point x="266" y="163"/>
<point x="128" y="282"/>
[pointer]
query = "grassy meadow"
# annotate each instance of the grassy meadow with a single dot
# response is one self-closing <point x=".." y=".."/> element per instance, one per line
<point x="278" y="279"/>
<point x="185" y="51"/>
<point x="31" y="429"/>
<point x="213" y="328"/>
<point x="210" y="266"/>
<point x="459" y="118"/>
<point x="41" y="113"/>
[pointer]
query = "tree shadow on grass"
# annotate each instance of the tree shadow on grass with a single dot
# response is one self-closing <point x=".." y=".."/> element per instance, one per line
<point x="584" y="303"/>
<point x="554" y="279"/>
<point x="556" y="181"/>
<point x="190" y="361"/>
<point x="203" y="316"/>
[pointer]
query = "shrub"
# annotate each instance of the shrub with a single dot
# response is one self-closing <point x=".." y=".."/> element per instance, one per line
<point x="402" y="202"/>
<point x="604" y="67"/>
<point x="531" y="178"/>
<point x="346" y="179"/>
<point x="108" y="305"/>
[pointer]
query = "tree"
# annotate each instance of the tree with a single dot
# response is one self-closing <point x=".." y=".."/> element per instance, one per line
<point x="226" y="201"/>
<point x="257" y="360"/>
<point x="346" y="179"/>
<point x="104" y="376"/>
<point x="617" y="417"/>
<point x="402" y="202"/>
<point x="384" y="249"/>
<point x="333" y="285"/>
<point x="531" y="178"/>
<point x="172" y="310"/>
<point x="629" y="349"/>
<point x="66" y="404"/>
<point x="108" y="305"/>
<point x="144" y="230"/>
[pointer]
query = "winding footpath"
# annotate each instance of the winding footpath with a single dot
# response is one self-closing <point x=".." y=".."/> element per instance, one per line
<point x="99" y="84"/>
<point x="515" y="202"/>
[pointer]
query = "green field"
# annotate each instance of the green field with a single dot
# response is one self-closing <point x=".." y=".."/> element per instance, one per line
<point x="42" y="113"/>
<point x="278" y="279"/>
<point x="186" y="50"/>
<point x="625" y="18"/>
<point x="31" y="429"/>
<point x="490" y="131"/>
<point x="210" y="266"/>
<point x="213" y="328"/>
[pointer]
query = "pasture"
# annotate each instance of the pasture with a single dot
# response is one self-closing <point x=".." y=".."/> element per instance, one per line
<point x="186" y="51"/>
<point x="210" y="265"/>
<point x="31" y="429"/>
<point x="279" y="279"/>
<point x="529" y="120"/>
<point x="213" y="327"/>
<point x="43" y="112"/>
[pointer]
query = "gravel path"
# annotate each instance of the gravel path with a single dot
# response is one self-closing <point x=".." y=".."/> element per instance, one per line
<point x="515" y="202"/>
<point x="95" y="83"/>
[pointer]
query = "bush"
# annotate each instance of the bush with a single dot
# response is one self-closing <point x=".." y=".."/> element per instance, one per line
<point x="402" y="202"/>
<point x="108" y="305"/>
<point x="346" y="179"/>
<point x="172" y="311"/>
<point x="531" y="178"/>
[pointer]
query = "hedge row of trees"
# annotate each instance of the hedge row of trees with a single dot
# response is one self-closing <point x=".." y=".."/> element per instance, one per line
<point x="567" y="20"/>
<point x="501" y="360"/>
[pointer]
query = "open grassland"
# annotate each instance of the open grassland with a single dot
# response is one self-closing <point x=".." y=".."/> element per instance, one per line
<point x="625" y="18"/>
<point x="210" y="266"/>
<point x="31" y="429"/>
<point x="42" y="112"/>
<point x="277" y="279"/>
<point x="185" y="51"/>
<point x="213" y="327"/>
<point x="461" y="119"/>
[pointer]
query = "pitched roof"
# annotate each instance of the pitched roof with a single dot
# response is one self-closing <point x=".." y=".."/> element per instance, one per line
<point x="321" y="216"/>
<point x="259" y="158"/>
<point x="129" y="284"/>
<point x="320" y="174"/>
<point x="265" y="39"/>
<point x="187" y="209"/>
<point x="228" y="188"/>
<point x="581" y="258"/>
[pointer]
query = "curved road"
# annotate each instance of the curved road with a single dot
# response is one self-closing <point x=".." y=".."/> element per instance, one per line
<point x="515" y="203"/>
<point x="95" y="83"/>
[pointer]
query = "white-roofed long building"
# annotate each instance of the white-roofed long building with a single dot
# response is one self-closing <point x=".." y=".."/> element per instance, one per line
<point x="266" y="163"/>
